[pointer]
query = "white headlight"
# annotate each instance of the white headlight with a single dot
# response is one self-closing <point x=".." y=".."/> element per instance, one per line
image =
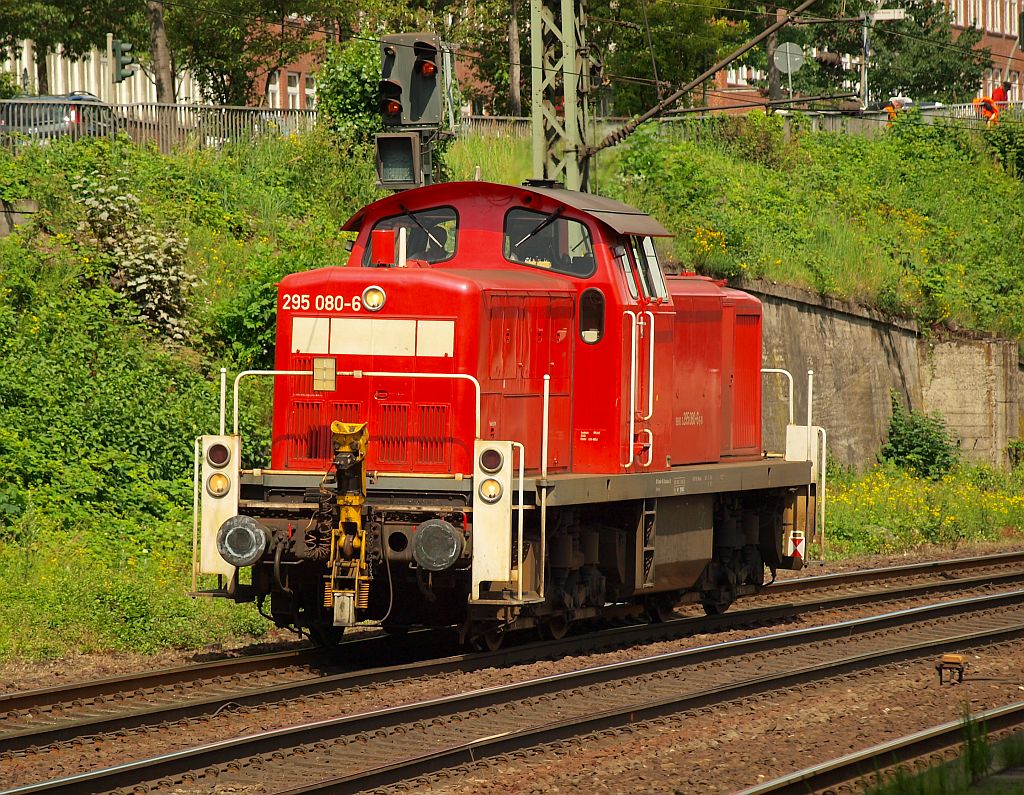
<point x="218" y="484"/>
<point x="490" y="490"/>
<point x="373" y="298"/>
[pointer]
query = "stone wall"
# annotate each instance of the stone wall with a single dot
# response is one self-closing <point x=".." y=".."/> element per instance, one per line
<point x="15" y="213"/>
<point x="860" y="356"/>
<point x="973" y="384"/>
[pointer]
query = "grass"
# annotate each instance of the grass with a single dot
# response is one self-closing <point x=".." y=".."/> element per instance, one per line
<point x="505" y="159"/>
<point x="889" y="511"/>
<point x="968" y="775"/>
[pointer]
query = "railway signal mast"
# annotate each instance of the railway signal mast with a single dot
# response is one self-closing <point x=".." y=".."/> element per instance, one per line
<point x="562" y="72"/>
<point x="561" y="80"/>
<point x="414" y="98"/>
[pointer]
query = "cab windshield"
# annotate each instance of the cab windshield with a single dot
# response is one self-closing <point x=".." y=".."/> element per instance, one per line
<point x="549" y="241"/>
<point x="431" y="235"/>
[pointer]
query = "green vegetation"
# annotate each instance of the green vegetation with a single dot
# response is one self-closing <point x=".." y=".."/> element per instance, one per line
<point x="965" y="776"/>
<point x="140" y="276"/>
<point x="920" y="494"/>
<point x="919" y="443"/>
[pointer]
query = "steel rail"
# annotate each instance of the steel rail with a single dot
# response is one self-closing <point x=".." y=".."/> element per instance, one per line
<point x="895" y="572"/>
<point x="869" y="761"/>
<point x="578" y="644"/>
<point x="275" y="741"/>
<point x="50" y="696"/>
<point x="358" y="645"/>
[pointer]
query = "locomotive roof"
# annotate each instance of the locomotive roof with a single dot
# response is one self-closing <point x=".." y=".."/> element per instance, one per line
<point x="621" y="217"/>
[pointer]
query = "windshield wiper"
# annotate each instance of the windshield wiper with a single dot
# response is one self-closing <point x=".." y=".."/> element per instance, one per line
<point x="554" y="216"/>
<point x="416" y="221"/>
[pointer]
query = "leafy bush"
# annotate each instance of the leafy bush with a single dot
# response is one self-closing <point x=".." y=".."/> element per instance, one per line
<point x="347" y="88"/>
<point x="919" y="443"/>
<point x="8" y="85"/>
<point x="144" y="263"/>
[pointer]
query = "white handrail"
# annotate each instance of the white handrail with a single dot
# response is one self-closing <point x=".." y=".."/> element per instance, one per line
<point x="789" y="377"/>
<point x="821" y="495"/>
<point x="361" y="374"/>
<point x="650" y="447"/>
<point x="810" y="436"/>
<point x="519" y="549"/>
<point x="544" y="477"/>
<point x="632" y="384"/>
<point x="451" y="376"/>
<point x="248" y="373"/>
<point x="195" y="515"/>
<point x="650" y="371"/>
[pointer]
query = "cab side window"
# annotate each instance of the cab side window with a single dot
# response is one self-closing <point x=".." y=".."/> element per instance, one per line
<point x="431" y="235"/>
<point x="549" y="241"/>
<point x="591" y="315"/>
<point x="622" y="260"/>
<point x="646" y="258"/>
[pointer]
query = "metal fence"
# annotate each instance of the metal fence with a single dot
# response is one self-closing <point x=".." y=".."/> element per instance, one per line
<point x="171" y="127"/>
<point x="168" y="127"/>
<point x="694" y="126"/>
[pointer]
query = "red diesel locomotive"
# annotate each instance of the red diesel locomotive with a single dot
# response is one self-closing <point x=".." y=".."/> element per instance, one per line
<point x="501" y="414"/>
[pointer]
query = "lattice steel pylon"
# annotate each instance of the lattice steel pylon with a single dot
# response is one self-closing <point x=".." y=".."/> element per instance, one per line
<point x="560" y="89"/>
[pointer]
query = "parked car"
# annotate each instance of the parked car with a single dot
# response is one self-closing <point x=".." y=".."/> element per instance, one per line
<point x="45" y="118"/>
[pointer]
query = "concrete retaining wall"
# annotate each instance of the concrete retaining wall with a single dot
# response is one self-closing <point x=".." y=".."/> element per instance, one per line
<point x="859" y="356"/>
<point x="15" y="213"/>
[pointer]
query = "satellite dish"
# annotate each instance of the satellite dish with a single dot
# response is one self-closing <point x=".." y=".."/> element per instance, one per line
<point x="788" y="57"/>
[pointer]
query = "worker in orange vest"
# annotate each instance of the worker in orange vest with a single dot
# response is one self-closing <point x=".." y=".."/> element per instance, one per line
<point x="987" y="109"/>
<point x="896" y="104"/>
<point x="1001" y="95"/>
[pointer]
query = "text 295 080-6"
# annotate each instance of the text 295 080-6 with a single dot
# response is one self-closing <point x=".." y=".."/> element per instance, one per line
<point x="301" y="302"/>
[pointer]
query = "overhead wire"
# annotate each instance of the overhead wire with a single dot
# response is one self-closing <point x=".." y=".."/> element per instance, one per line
<point x="307" y="27"/>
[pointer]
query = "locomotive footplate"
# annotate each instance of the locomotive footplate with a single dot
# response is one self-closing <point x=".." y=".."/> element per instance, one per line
<point x="577" y="489"/>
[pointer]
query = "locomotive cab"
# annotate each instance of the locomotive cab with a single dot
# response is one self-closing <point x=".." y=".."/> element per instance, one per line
<point x="500" y="413"/>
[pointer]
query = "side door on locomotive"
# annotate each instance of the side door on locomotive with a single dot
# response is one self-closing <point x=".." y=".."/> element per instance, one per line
<point x="648" y="323"/>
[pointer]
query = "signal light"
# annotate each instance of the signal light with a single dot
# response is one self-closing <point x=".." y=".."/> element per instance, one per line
<point x="491" y="460"/>
<point x="490" y="491"/>
<point x="412" y="74"/>
<point x="391" y="101"/>
<point x="124" y="65"/>
<point x="399" y="161"/>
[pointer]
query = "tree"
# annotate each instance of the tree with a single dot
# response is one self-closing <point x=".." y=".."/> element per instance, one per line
<point x="684" y="40"/>
<point x="160" y="53"/>
<point x="920" y="57"/>
<point x="231" y="44"/>
<point x="73" y="26"/>
<point x="347" y="93"/>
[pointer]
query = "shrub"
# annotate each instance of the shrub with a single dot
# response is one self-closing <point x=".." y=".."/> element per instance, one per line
<point x="144" y="263"/>
<point x="919" y="443"/>
<point x="347" y="88"/>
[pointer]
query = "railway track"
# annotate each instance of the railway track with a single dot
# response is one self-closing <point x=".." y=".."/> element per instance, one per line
<point x="41" y="718"/>
<point x="388" y="745"/>
<point x="870" y="761"/>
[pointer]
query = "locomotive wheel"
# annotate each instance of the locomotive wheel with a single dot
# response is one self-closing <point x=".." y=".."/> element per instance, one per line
<point x="556" y="627"/>
<point x="660" y="610"/>
<point x="715" y="607"/>
<point x="493" y="639"/>
<point x="325" y="636"/>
